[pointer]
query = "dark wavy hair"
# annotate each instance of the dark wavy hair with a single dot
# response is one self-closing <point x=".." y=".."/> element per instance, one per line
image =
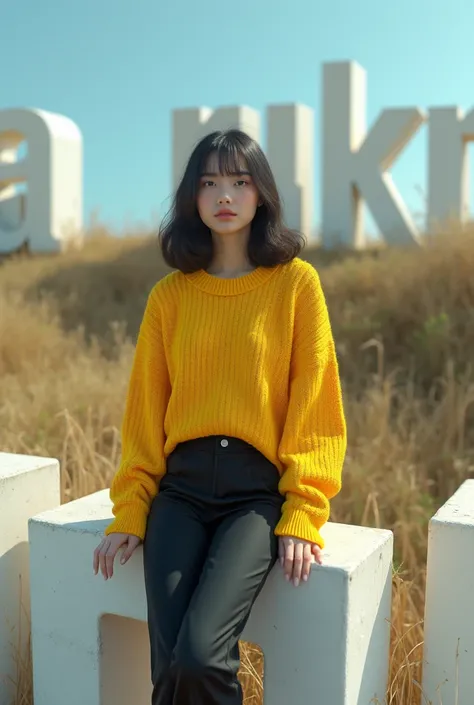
<point x="186" y="242"/>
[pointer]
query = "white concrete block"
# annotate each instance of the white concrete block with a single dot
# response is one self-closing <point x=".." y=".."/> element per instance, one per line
<point x="28" y="485"/>
<point x="448" y="674"/>
<point x="325" y="642"/>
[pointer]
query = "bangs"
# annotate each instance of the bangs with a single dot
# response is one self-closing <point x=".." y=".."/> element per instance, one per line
<point x="227" y="154"/>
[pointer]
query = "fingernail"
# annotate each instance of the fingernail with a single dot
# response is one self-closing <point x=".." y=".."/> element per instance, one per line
<point x="287" y="577"/>
<point x="305" y="578"/>
<point x="122" y="561"/>
<point x="296" y="582"/>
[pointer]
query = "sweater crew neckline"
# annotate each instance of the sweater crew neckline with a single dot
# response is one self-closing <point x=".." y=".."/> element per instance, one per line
<point x="212" y="284"/>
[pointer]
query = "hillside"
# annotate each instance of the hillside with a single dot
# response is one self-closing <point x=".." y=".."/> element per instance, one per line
<point x="403" y="322"/>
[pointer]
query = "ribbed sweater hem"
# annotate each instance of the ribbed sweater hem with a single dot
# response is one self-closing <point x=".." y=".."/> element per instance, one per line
<point x="130" y="520"/>
<point x="298" y="523"/>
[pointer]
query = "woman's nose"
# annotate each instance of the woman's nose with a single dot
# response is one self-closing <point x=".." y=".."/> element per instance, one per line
<point x="224" y="198"/>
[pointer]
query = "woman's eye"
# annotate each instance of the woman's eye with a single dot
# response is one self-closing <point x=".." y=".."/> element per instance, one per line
<point x="242" y="182"/>
<point x="207" y="183"/>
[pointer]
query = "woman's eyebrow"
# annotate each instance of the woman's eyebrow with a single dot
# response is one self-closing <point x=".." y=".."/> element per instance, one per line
<point x="236" y="173"/>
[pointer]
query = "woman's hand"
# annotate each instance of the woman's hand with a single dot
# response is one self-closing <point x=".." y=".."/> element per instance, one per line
<point x="105" y="552"/>
<point x="296" y="557"/>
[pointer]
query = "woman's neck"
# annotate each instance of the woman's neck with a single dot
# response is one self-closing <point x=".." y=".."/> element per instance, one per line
<point x="226" y="273"/>
<point x="230" y="255"/>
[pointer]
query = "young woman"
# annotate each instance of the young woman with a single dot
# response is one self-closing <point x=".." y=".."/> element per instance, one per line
<point x="234" y="435"/>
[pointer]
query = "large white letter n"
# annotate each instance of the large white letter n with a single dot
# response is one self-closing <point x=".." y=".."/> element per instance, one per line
<point x="355" y="164"/>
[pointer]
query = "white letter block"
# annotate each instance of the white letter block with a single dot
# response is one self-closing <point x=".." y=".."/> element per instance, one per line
<point x="448" y="673"/>
<point x="290" y="151"/>
<point x="448" y="174"/>
<point x="52" y="170"/>
<point x="355" y="163"/>
<point x="28" y="485"/>
<point x="325" y="642"/>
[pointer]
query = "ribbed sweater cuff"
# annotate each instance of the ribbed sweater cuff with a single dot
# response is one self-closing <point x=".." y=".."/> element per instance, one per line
<point x="129" y="520"/>
<point x="297" y="522"/>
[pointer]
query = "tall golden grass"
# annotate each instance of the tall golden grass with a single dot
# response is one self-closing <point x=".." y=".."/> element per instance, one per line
<point x="403" y="323"/>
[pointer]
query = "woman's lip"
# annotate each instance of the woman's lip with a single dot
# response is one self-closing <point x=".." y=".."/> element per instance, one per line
<point x="225" y="215"/>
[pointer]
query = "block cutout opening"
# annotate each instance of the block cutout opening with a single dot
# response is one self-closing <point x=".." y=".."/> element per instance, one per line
<point x="125" y="673"/>
<point x="251" y="672"/>
<point x="125" y="669"/>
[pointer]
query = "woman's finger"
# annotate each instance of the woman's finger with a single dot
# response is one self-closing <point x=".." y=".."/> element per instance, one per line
<point x="308" y="559"/>
<point x="281" y="550"/>
<point x="317" y="553"/>
<point x="95" y="562"/>
<point x="102" y="553"/>
<point x="130" y="546"/>
<point x="298" y="563"/>
<point x="109" y="559"/>
<point x="288" y="564"/>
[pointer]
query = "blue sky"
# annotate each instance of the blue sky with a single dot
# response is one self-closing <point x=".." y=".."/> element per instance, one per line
<point x="118" y="69"/>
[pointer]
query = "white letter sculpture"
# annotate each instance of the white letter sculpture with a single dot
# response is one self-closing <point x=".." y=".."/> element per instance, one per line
<point x="290" y="149"/>
<point x="448" y="189"/>
<point x="49" y="215"/>
<point x="354" y="164"/>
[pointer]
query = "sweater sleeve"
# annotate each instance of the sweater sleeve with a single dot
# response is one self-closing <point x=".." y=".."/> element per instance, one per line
<point x="313" y="443"/>
<point x="142" y="464"/>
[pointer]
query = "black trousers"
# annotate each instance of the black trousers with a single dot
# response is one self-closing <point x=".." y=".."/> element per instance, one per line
<point x="208" y="549"/>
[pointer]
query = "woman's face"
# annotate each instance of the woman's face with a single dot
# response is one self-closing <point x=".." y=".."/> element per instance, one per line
<point x="226" y="203"/>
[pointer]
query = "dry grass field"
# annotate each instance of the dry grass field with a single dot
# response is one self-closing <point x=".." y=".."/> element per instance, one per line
<point x="404" y="327"/>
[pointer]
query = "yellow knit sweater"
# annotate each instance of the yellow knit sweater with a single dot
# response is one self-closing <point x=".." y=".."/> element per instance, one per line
<point x="251" y="357"/>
